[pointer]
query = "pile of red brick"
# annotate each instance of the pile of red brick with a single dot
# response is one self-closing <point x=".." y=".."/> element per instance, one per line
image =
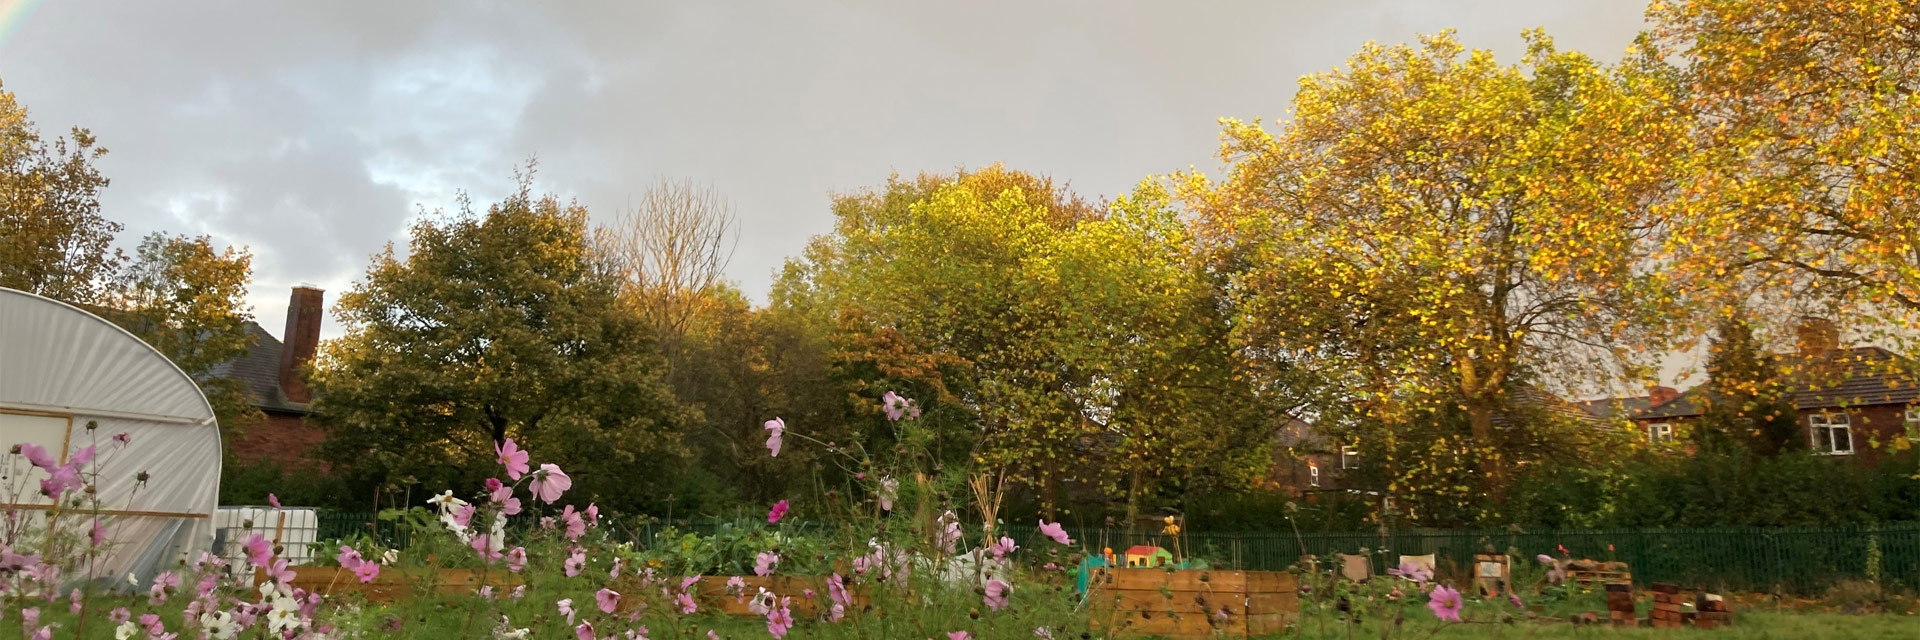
<point x="1666" y="607"/>
<point x="1620" y="604"/>
<point x="1712" y="612"/>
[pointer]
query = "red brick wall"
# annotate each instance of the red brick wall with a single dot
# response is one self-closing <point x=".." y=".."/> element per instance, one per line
<point x="283" y="438"/>
<point x="1877" y="423"/>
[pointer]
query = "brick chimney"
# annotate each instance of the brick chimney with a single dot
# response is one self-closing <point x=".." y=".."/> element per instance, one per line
<point x="1659" y="395"/>
<point x="1816" y="336"/>
<point x="300" y="340"/>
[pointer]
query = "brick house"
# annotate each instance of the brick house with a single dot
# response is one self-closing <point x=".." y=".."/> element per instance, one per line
<point x="1846" y="398"/>
<point x="270" y="374"/>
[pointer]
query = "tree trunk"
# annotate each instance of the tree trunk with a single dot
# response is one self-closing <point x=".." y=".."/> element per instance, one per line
<point x="1480" y="423"/>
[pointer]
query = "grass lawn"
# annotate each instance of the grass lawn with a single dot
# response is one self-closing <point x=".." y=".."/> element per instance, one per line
<point x="1773" y="625"/>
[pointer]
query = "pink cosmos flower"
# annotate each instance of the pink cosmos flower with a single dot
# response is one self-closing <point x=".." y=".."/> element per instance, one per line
<point x="607" y="599"/>
<point x="585" y="631"/>
<point x="1003" y="547"/>
<point x="510" y="456"/>
<point x="837" y="589"/>
<point x="575" y="562"/>
<point x="493" y="486"/>
<point x="593" y="515"/>
<point x="712" y="636"/>
<point x="366" y="572"/>
<point x="46" y="633"/>
<point x="1055" y="531"/>
<point x="778" y="511"/>
<point x="37" y="455"/>
<point x="259" y="551"/>
<point x="1445" y="603"/>
<point x="119" y="615"/>
<point x="894" y="405"/>
<point x="576" y="526"/>
<point x="549" y="483"/>
<point x="279" y="572"/>
<point x="949" y="537"/>
<point x="517" y="559"/>
<point x="30" y="618"/>
<point x="889" y="491"/>
<point x="1514" y="597"/>
<point x="273" y="501"/>
<point x="76" y="603"/>
<point x="1412" y="571"/>
<point x="486" y="592"/>
<point x="463" y="516"/>
<point x="566" y="608"/>
<point x="122" y="438"/>
<point x="775" y="428"/>
<point x="97" y="534"/>
<point x="685" y="600"/>
<point x="779" y="620"/>
<point x="614" y="573"/>
<point x="764" y="562"/>
<point x="959" y="635"/>
<point x="996" y="593"/>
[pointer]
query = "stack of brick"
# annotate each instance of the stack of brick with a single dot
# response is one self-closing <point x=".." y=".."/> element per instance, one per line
<point x="1713" y="612"/>
<point x="1620" y="604"/>
<point x="1667" y="612"/>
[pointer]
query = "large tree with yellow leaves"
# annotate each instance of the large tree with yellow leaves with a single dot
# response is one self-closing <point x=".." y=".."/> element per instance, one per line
<point x="1807" y="123"/>
<point x="1432" y="226"/>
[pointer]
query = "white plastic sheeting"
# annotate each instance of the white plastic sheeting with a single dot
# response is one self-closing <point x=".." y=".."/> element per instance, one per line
<point x="61" y="362"/>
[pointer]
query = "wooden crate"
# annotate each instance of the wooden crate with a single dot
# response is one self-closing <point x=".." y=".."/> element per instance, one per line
<point x="1192" y="603"/>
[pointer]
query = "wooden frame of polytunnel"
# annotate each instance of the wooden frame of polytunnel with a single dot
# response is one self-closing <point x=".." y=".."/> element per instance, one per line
<point x="70" y="380"/>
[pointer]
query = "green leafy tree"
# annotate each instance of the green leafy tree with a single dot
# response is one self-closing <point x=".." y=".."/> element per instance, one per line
<point x="1051" y="340"/>
<point x="496" y="326"/>
<point x="53" y="240"/>
<point x="1749" y="401"/>
<point x="188" y="299"/>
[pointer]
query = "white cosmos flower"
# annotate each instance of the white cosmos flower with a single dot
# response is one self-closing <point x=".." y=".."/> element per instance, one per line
<point x="126" y="631"/>
<point x="219" y="624"/>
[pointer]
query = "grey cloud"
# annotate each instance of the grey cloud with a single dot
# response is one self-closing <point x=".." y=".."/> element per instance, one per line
<point x="313" y="131"/>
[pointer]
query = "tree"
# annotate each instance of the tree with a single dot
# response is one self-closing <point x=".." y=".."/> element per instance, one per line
<point x="1806" y="119"/>
<point x="497" y="326"/>
<point x="673" y="249"/>
<point x="189" y="301"/>
<point x="53" y="240"/>
<point x="1749" y="401"/>
<point x="1052" y="341"/>
<point x="1432" y="227"/>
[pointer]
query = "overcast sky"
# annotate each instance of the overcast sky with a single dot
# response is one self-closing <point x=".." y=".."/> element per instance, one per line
<point x="313" y="132"/>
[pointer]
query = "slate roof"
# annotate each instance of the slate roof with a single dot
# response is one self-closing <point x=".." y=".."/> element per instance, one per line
<point x="1854" y="377"/>
<point x="1610" y="407"/>
<point x="259" y="373"/>
<point x="1530" y="396"/>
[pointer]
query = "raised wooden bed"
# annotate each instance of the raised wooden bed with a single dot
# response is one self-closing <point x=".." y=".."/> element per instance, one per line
<point x="1192" y="603"/>
<point x="393" y="584"/>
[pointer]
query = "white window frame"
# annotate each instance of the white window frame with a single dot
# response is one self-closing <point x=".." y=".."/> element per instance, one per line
<point x="1659" y="432"/>
<point x="1913" y="423"/>
<point x="1831" y="422"/>
<point x="1313" y="474"/>
<point x="1349" y="458"/>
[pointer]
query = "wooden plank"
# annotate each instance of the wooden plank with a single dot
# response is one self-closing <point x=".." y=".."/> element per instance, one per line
<point x="1272" y="581"/>
<point x="1174" y="601"/>
<point x="1183" y="627"/>
<point x="1180" y="580"/>
<point x="1273" y="603"/>
<point x="1270" y="623"/>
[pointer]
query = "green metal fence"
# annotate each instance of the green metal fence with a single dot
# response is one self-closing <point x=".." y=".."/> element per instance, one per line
<point x="1804" y="560"/>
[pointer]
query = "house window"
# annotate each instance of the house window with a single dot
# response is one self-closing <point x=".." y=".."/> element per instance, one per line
<point x="1659" y="432"/>
<point x="1913" y="423"/>
<point x="1313" y="474"/>
<point x="1832" y="433"/>
<point x="1349" y="458"/>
